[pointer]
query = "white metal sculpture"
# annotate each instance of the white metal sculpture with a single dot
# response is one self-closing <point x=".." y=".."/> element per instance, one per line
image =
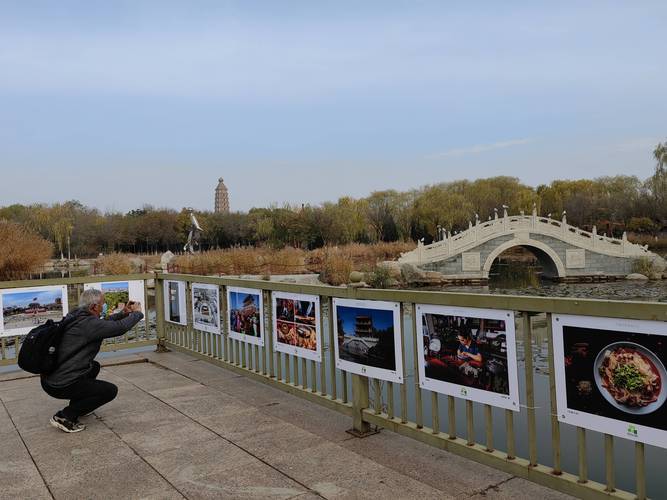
<point x="193" y="235"/>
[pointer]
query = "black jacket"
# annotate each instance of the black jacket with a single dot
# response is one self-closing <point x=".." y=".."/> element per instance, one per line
<point x="82" y="341"/>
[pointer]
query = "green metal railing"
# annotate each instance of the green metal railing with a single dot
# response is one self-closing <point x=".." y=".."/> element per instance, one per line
<point x="531" y="444"/>
<point x="468" y="429"/>
<point x="143" y="334"/>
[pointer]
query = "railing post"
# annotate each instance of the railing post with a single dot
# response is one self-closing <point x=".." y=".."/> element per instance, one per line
<point x="360" y="402"/>
<point x="159" y="311"/>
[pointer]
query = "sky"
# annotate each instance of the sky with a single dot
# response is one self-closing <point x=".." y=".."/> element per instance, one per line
<point x="125" y="103"/>
<point x="382" y="319"/>
<point x="22" y="299"/>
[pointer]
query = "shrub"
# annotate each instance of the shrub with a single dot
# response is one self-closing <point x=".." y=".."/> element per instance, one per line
<point x="643" y="265"/>
<point x="21" y="251"/>
<point x="336" y="267"/>
<point x="380" y="278"/>
<point x="114" y="263"/>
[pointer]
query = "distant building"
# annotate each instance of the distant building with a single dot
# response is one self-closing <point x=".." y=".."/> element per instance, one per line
<point x="221" y="198"/>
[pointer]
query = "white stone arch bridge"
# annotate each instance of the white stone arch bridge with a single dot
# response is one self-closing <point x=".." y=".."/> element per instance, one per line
<point x="563" y="251"/>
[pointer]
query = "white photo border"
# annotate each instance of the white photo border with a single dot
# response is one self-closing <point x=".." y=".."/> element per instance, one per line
<point x="300" y="352"/>
<point x="620" y="428"/>
<point x="135" y="290"/>
<point x="182" y="302"/>
<point x="365" y="370"/>
<point x="199" y="326"/>
<point x="26" y="330"/>
<point x="509" y="401"/>
<point x="249" y="339"/>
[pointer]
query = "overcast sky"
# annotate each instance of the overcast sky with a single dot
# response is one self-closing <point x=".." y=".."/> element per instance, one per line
<point x="122" y="103"/>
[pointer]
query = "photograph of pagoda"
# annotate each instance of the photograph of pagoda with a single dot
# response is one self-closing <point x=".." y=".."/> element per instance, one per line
<point x="366" y="336"/>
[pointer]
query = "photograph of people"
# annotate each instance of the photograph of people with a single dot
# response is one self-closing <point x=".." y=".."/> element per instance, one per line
<point x="245" y="314"/>
<point x="469" y="352"/>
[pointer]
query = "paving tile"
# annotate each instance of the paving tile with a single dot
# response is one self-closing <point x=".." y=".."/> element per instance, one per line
<point x="210" y="433"/>
<point x="278" y="441"/>
<point x="335" y="472"/>
<point x="520" y="489"/>
<point x="129" y="479"/>
<point x="252" y="481"/>
<point x="191" y="463"/>
<point x="429" y="465"/>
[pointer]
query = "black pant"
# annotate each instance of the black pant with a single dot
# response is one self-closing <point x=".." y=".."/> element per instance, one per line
<point x="85" y="395"/>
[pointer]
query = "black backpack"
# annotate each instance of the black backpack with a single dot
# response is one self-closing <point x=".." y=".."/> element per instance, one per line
<point x="39" y="351"/>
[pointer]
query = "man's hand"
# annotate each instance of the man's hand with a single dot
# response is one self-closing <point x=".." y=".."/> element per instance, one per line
<point x="135" y="306"/>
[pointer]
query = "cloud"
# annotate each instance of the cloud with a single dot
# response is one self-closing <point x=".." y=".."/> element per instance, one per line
<point x="480" y="148"/>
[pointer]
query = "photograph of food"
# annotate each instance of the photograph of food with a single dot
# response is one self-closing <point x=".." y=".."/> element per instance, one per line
<point x="616" y="374"/>
<point x="631" y="377"/>
<point x="296" y="324"/>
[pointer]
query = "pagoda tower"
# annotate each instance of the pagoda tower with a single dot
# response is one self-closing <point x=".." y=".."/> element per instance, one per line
<point x="221" y="198"/>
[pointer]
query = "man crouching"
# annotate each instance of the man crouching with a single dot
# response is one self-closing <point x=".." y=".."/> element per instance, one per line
<point x="75" y="377"/>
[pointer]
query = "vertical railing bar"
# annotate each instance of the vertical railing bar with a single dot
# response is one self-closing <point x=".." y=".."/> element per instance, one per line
<point x="470" y="423"/>
<point x="295" y="365"/>
<point x="435" y="413"/>
<point x="258" y="367"/>
<point x="530" y="389"/>
<point x="323" y="369"/>
<point x="451" y="410"/>
<point x="555" y="424"/>
<point x="418" y="390"/>
<point x="279" y="366"/>
<point x="403" y="387"/>
<point x="377" y="403"/>
<point x="391" y="412"/>
<point x="609" y="463"/>
<point x="147" y="319"/>
<point x="640" y="471"/>
<point x="17" y="346"/>
<point x="269" y="339"/>
<point x="488" y="422"/>
<point x="313" y="376"/>
<point x="268" y="336"/>
<point x="304" y="373"/>
<point x="288" y="371"/>
<point x="509" y="430"/>
<point x="238" y="346"/>
<point x="332" y="352"/>
<point x="223" y="323"/>
<point x="581" y="454"/>
<point x="344" y="388"/>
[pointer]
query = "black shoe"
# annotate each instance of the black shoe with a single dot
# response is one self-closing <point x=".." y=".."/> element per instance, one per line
<point x="66" y="425"/>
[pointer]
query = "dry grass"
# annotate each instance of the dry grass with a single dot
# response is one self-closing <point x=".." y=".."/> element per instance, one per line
<point x="21" y="251"/>
<point x="363" y="257"/>
<point x="654" y="242"/>
<point x="114" y="263"/>
<point x="235" y="261"/>
<point x="336" y="266"/>
<point x="334" y="263"/>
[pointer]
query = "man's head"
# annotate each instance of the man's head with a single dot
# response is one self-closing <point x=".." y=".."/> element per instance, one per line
<point x="92" y="300"/>
<point x="465" y="337"/>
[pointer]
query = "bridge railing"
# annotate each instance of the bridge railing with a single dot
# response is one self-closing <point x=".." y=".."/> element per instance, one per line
<point x="487" y="230"/>
<point x="530" y="443"/>
<point x="143" y="334"/>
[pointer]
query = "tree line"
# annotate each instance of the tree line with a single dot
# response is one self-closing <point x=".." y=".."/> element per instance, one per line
<point x="613" y="204"/>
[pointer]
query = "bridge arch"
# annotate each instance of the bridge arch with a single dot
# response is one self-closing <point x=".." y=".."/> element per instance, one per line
<point x="546" y="256"/>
